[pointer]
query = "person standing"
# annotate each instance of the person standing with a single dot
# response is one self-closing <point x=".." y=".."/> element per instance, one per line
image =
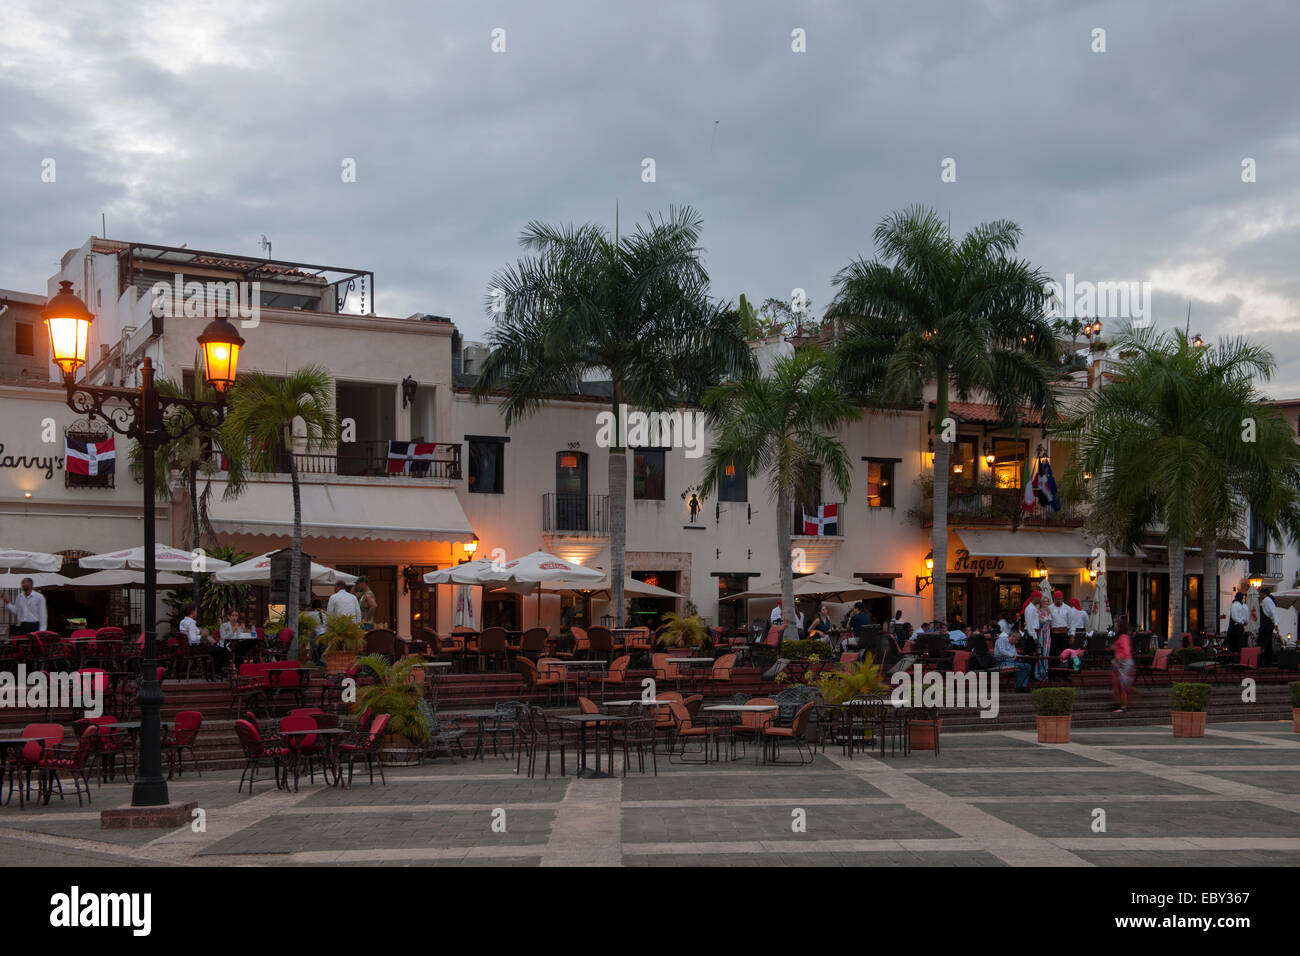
<point x="1238" y="617"/>
<point x="342" y="601"/>
<point x="28" y="609"/>
<point x="1058" y="616"/>
<point x="317" y="614"/>
<point x="1122" y="667"/>
<point x="1035" y="628"/>
<point x="1267" y="626"/>
<point x="1078" y="619"/>
<point x="368" y="602"/>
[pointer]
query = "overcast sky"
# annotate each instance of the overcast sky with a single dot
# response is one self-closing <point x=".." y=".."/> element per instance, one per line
<point x="215" y="123"/>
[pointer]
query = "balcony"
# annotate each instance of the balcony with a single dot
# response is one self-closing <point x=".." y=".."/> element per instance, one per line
<point x="1000" y="507"/>
<point x="1266" y="564"/>
<point x="575" y="515"/>
<point x="370" y="460"/>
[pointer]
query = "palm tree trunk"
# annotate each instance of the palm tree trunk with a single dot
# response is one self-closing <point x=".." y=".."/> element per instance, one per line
<point x="196" y="540"/>
<point x="784" y="516"/>
<point x="1177" y="566"/>
<point x="295" y="567"/>
<point x="1210" y="585"/>
<point x="617" y="515"/>
<point x="939" y="536"/>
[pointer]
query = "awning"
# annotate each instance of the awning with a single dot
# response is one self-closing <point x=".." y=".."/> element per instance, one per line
<point x="1229" y="548"/>
<point x="1025" y="544"/>
<point x="369" y="511"/>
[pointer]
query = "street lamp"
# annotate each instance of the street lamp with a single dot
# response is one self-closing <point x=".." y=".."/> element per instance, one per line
<point x="142" y="414"/>
<point x="469" y="547"/>
<point x="923" y="582"/>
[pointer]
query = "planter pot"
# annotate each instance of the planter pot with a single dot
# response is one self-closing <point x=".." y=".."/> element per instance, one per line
<point x="1295" y="719"/>
<point x="1188" y="723"/>
<point x="921" y="736"/>
<point x="397" y="751"/>
<point x="1054" y="729"/>
<point x="339" y="662"/>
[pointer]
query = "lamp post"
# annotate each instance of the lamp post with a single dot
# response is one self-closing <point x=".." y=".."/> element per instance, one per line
<point x="147" y="417"/>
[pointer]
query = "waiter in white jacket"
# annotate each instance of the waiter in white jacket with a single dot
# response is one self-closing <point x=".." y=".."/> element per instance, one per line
<point x="28" y="608"/>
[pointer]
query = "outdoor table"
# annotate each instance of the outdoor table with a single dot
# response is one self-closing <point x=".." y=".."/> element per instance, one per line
<point x="586" y="678"/>
<point x="691" y="662"/>
<point x="582" y="720"/>
<point x="329" y="755"/>
<point x="482" y="717"/>
<point x="5" y="744"/>
<point x="629" y="703"/>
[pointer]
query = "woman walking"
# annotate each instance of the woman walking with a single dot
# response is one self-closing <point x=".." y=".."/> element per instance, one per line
<point x="1123" y="668"/>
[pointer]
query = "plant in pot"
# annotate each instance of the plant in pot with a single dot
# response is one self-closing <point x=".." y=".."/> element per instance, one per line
<point x="308" y="624"/>
<point x="923" y="734"/>
<point x="1294" y="688"/>
<point x="1052" y="708"/>
<point x="1187" y="705"/>
<point x="342" y="641"/>
<point x="397" y="693"/>
<point x="683" y="632"/>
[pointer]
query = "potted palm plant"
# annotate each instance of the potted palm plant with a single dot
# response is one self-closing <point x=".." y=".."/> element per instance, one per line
<point x="396" y="693"/>
<point x="683" y="632"/>
<point x="342" y="641"/>
<point x="1052" y="709"/>
<point x="1187" y="704"/>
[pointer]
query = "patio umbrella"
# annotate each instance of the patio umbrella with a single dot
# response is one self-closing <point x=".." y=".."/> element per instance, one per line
<point x="1099" y="618"/>
<point x="126" y="578"/>
<point x="630" y="586"/>
<point x="258" y="571"/>
<point x="1288" y="598"/>
<point x="165" y="559"/>
<point x="471" y="572"/>
<point x="820" y="586"/>
<point x="13" y="580"/>
<point x="11" y="558"/>
<point x="537" y="567"/>
<point x="464" y="616"/>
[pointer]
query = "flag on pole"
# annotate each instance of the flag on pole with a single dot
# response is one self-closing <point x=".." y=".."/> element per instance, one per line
<point x="410" y="458"/>
<point x="826" y="521"/>
<point x="1040" y="489"/>
<point x="89" y="458"/>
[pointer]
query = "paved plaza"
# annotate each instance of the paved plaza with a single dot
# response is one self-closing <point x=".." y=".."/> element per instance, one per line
<point x="990" y="799"/>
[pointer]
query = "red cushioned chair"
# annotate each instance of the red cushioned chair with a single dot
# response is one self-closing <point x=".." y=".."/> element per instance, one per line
<point x="255" y="749"/>
<point x="365" y="746"/>
<point x="112" y="744"/>
<point x="23" y="762"/>
<point x="185" y="730"/>
<point x="73" y="761"/>
<point x="300" y="747"/>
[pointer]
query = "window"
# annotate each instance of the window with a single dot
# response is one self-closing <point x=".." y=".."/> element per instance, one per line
<point x="424" y="598"/>
<point x="734" y="485"/>
<point x="648" y="474"/>
<point x="961" y="465"/>
<point x="486" y="464"/>
<point x="24" y="339"/>
<point x="1009" y="462"/>
<point x="880" y="483"/>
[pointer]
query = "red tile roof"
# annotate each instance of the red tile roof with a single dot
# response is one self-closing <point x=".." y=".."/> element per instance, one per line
<point x="988" y="414"/>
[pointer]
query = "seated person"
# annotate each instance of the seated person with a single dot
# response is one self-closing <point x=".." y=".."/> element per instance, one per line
<point x="979" y="646"/>
<point x="956" y="636"/>
<point x="1006" y="658"/>
<point x="820" y="629"/>
<point x="859" y="618"/>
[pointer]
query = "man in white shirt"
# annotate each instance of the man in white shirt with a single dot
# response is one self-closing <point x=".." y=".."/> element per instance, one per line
<point x="1078" y="617"/>
<point x="1238" y="618"/>
<point x="342" y="601"/>
<point x="777" y="615"/>
<point x="1267" y="627"/>
<point x="190" y="626"/>
<point x="956" y="636"/>
<point x="28" y="608"/>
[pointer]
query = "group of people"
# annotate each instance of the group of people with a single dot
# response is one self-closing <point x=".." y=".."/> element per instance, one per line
<point x="1239" y="620"/>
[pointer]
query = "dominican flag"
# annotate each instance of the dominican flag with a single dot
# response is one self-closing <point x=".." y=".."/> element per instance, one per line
<point x="825" y="521"/>
<point x="1041" y="488"/>
<point x="410" y="458"/>
<point x="89" y="458"/>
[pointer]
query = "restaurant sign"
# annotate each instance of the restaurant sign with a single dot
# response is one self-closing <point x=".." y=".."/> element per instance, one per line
<point x="964" y="563"/>
<point x="46" y="463"/>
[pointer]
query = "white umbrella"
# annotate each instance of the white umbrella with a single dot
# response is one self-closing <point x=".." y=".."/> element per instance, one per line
<point x="821" y="584"/>
<point x="1099" y="617"/>
<point x="1252" y="602"/>
<point x="630" y="586"/>
<point x="464" y="616"/>
<point x="12" y="581"/>
<point x="1286" y="598"/>
<point x="538" y="567"/>
<point x="165" y="559"/>
<point x="471" y="572"/>
<point x="11" y="558"/>
<point x="127" y="578"/>
<point x="258" y="571"/>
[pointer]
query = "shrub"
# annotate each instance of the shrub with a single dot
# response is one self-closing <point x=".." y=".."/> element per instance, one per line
<point x="1190" y="698"/>
<point x="1188" y="655"/>
<point x="794" y="650"/>
<point x="1052" y="701"/>
<point x="1295" y="693"/>
<point x="342" y="634"/>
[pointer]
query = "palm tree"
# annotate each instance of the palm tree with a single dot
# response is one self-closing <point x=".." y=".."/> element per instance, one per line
<point x="188" y="457"/>
<point x="1182" y="439"/>
<point x="264" y="411"/>
<point x="635" y="309"/>
<point x="780" y="424"/>
<point x="960" y="313"/>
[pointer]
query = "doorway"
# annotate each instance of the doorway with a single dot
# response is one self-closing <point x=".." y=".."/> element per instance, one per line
<point x="571" y="491"/>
